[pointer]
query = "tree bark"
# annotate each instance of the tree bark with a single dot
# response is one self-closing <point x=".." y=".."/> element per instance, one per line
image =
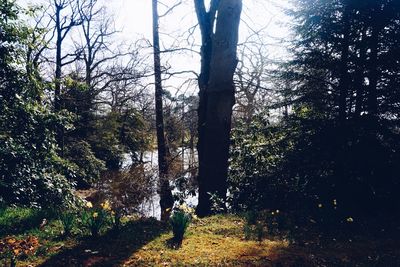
<point x="57" y="82"/>
<point x="62" y="27"/>
<point x="344" y="75"/>
<point x="373" y="74"/>
<point x="217" y="97"/>
<point x="166" y="199"/>
<point x="206" y="22"/>
<point x="359" y="79"/>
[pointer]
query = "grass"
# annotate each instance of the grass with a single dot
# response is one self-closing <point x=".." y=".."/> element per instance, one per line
<point x="19" y="220"/>
<point x="210" y="241"/>
<point x="214" y="241"/>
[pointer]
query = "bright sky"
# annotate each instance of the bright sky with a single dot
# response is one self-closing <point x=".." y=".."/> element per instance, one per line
<point x="133" y="18"/>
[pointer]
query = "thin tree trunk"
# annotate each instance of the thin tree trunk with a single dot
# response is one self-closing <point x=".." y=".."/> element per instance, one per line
<point x="57" y="93"/>
<point x="373" y="75"/>
<point x="57" y="82"/>
<point x="359" y="81"/>
<point x="191" y="167"/>
<point x="344" y="76"/>
<point x="166" y="199"/>
<point x="183" y="136"/>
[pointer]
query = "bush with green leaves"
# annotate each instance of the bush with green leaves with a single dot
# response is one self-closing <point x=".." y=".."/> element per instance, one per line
<point x="248" y="231"/>
<point x="87" y="167"/>
<point x="251" y="217"/>
<point x="95" y="218"/>
<point x="68" y="220"/>
<point x="256" y="178"/>
<point x="179" y="221"/>
<point x="105" y="143"/>
<point x="253" y="227"/>
<point x="31" y="172"/>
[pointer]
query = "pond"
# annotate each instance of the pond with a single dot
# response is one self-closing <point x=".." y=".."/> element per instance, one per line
<point x="151" y="207"/>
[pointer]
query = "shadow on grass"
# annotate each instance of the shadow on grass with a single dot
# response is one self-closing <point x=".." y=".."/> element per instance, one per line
<point x="361" y="252"/>
<point x="171" y="243"/>
<point x="110" y="249"/>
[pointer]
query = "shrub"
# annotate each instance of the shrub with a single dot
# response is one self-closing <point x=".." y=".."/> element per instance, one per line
<point x="259" y="230"/>
<point x="67" y="220"/>
<point x="254" y="225"/>
<point x="87" y="167"/>
<point x="179" y="221"/>
<point x="251" y="217"/>
<point x="31" y="172"/>
<point x="95" y="218"/>
<point x="247" y="230"/>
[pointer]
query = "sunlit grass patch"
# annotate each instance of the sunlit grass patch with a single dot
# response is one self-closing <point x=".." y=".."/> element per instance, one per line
<point x="214" y="241"/>
<point x="217" y="240"/>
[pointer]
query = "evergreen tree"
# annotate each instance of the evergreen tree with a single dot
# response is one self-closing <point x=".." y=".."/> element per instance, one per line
<point x="346" y="94"/>
<point x="341" y="139"/>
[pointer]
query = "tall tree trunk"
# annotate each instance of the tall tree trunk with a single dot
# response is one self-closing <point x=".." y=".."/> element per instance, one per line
<point x="57" y="93"/>
<point x="216" y="99"/>
<point x="344" y="80"/>
<point x="344" y="75"/>
<point x="373" y="74"/>
<point x="57" y="82"/>
<point x="206" y="22"/>
<point x="359" y="79"/>
<point x="166" y="199"/>
<point x="88" y="94"/>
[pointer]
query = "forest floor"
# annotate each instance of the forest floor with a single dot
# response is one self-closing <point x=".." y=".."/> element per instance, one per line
<point x="214" y="241"/>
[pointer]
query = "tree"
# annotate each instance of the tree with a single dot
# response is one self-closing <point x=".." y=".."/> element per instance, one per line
<point x="344" y="99"/>
<point x="251" y="79"/>
<point x="63" y="23"/>
<point x="216" y="95"/>
<point x="38" y="39"/>
<point x="99" y="91"/>
<point x="339" y="137"/>
<point x="31" y="172"/>
<point x="166" y="199"/>
<point x="104" y="63"/>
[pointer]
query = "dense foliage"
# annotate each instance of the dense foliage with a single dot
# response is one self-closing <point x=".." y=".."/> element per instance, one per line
<point x="98" y="141"/>
<point x="341" y="139"/>
<point x="86" y="143"/>
<point x="55" y="137"/>
<point x="31" y="172"/>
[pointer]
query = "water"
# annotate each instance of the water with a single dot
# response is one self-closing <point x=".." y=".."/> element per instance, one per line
<point x="151" y="207"/>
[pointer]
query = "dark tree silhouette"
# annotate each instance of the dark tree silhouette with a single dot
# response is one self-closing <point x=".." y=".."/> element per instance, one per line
<point x="166" y="199"/>
<point x="218" y="63"/>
